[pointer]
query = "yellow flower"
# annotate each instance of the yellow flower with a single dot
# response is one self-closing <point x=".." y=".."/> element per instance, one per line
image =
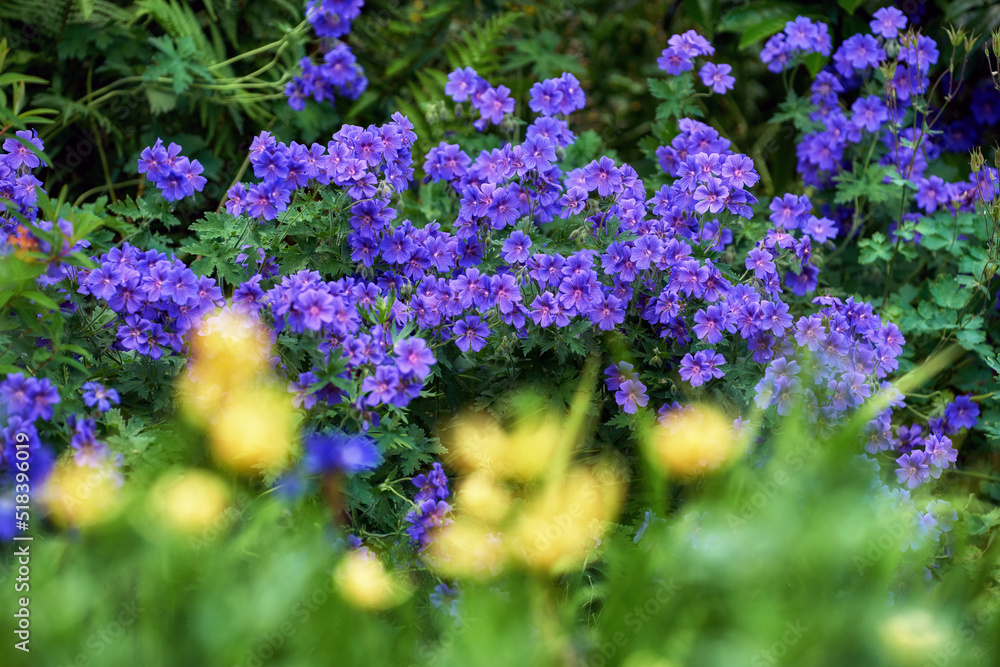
<point x="691" y="442"/>
<point x="364" y="582"/>
<point x="565" y="521"/>
<point x="256" y="430"/>
<point x="81" y="496"/>
<point x="190" y="501"/>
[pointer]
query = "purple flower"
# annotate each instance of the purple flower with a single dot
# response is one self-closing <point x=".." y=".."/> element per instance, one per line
<point x="717" y="77"/>
<point x="236" y="201"/>
<point x="774" y="317"/>
<point x="539" y="153"/>
<point x="739" y="171"/>
<point x="939" y="451"/>
<point x="19" y="156"/>
<point x="470" y="332"/>
<point x="515" y="247"/>
<point x="316" y="308"/>
<point x="931" y="192"/>
<point x="920" y="52"/>
<point x="382" y="387"/>
<point x="462" y="83"/>
<point x="618" y="373"/>
<point x="673" y="61"/>
<point x="304" y="397"/>
<point x="434" y="484"/>
<point x="413" y="356"/>
<point x="95" y="394"/>
<point x="607" y="311"/>
<point x="961" y="413"/>
<point x="603" y="176"/>
<point x="760" y="262"/>
<point x="333" y="452"/>
<point x="506" y="293"/>
<point x="701" y="367"/>
<point x="494" y="103"/>
<point x="912" y="469"/>
<point x="809" y="332"/>
<point x="888" y="22"/>
<point x="43" y="396"/>
<point x="709" y="324"/>
<point x="862" y="51"/>
<point x="787" y="211"/>
<point x="801" y="34"/>
<point x="631" y="395"/>
<point x="546" y="97"/>
<point x="869" y="113"/>
<point x="504" y="209"/>
<point x="820" y="229"/>
<point x="17" y="394"/>
<point x="711" y="196"/>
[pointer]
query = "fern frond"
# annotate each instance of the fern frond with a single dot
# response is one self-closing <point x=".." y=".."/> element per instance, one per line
<point x="179" y="21"/>
<point x="474" y="47"/>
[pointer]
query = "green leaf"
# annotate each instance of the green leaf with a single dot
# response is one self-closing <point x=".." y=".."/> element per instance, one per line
<point x="978" y="524"/>
<point x="850" y="5"/>
<point x="815" y="62"/>
<point x="14" y="77"/>
<point x="160" y="101"/>
<point x="765" y="28"/>
<point x="946" y="293"/>
<point x="176" y="61"/>
<point x="703" y="12"/>
<point x="868" y="185"/>
<point x="874" y="249"/>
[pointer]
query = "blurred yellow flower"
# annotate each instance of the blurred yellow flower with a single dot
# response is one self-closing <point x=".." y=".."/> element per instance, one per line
<point x="528" y="451"/>
<point x="483" y="497"/>
<point x="256" y="430"/>
<point x="363" y="582"/>
<point x="229" y="351"/>
<point x="467" y="548"/>
<point x="910" y="636"/>
<point x="693" y="441"/>
<point x="190" y="501"/>
<point x="565" y="521"/>
<point x="80" y="496"/>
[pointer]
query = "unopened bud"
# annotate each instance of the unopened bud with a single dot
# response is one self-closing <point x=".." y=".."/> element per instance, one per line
<point x="955" y="35"/>
<point x="976" y="160"/>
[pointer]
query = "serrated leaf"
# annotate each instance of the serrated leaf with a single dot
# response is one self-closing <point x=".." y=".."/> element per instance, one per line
<point x="947" y="294"/>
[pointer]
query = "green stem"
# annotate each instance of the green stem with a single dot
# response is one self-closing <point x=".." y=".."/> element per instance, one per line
<point x="102" y="188"/>
<point x="260" y="49"/>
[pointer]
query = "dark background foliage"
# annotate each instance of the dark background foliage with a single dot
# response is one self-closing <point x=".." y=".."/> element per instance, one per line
<point x="81" y="47"/>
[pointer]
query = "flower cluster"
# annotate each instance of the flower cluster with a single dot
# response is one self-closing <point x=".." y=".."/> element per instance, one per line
<point x="679" y="57"/>
<point x="333" y="18"/>
<point x="24" y="403"/>
<point x="851" y="118"/>
<point x="157" y="299"/>
<point x="799" y="38"/>
<point x="335" y="452"/>
<point x="21" y="232"/>
<point x="491" y="103"/>
<point x="923" y="457"/>
<point x="369" y="163"/>
<point x="339" y="73"/>
<point x="175" y="175"/>
<point x="392" y="372"/>
<point x="431" y="510"/>
<point x="90" y="452"/>
<point x="17" y="183"/>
